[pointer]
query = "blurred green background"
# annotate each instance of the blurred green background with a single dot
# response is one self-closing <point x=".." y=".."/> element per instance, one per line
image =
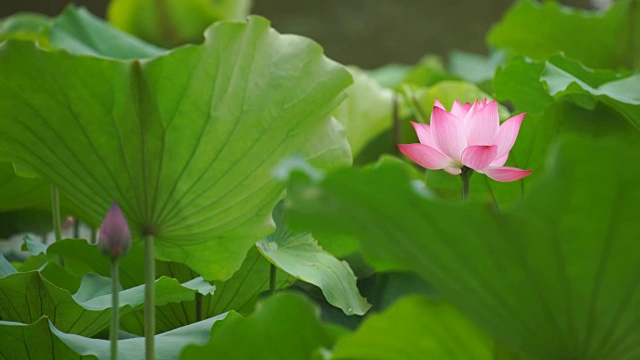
<point x="367" y="33"/>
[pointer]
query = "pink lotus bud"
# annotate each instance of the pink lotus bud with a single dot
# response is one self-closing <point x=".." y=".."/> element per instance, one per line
<point x="115" y="237"/>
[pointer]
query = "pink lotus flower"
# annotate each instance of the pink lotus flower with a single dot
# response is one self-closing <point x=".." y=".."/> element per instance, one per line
<point x="469" y="136"/>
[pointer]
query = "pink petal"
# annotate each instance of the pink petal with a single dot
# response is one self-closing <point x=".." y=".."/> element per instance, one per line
<point x="482" y="127"/>
<point x="425" y="156"/>
<point x="500" y="161"/>
<point x="424" y="133"/>
<point x="479" y="157"/>
<point x="437" y="103"/>
<point x="453" y="170"/>
<point x="484" y="102"/>
<point x="508" y="133"/>
<point x="460" y="110"/>
<point x="448" y="133"/>
<point x="506" y="174"/>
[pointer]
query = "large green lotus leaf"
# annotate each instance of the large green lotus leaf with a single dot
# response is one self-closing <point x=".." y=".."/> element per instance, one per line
<point x="33" y="341"/>
<point x="81" y="258"/>
<point x="18" y="193"/>
<point x="173" y="22"/>
<point x="554" y="277"/>
<point x="26" y="296"/>
<point x="42" y="340"/>
<point x="600" y="40"/>
<point x="239" y="293"/>
<point x="366" y="112"/>
<point x="284" y="326"/>
<point x="80" y="32"/>
<point x="185" y="142"/>
<point x="416" y="328"/>
<point x="299" y="254"/>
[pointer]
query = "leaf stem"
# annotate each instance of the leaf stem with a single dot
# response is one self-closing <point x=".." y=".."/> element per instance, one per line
<point x="466" y="175"/>
<point x="55" y="210"/>
<point x="94" y="236"/>
<point x="149" y="297"/>
<point x="272" y="279"/>
<point x="115" y="309"/>
<point x="198" y="306"/>
<point x="396" y="131"/>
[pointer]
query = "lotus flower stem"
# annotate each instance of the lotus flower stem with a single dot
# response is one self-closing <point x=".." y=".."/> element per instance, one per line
<point x="272" y="279"/>
<point x="149" y="297"/>
<point x="94" y="236"/>
<point x="198" y="307"/>
<point x="465" y="175"/>
<point x="397" y="126"/>
<point x="55" y="210"/>
<point x="115" y="309"/>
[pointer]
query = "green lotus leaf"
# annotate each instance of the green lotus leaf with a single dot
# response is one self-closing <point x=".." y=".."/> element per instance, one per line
<point x="185" y="142"/>
<point x="366" y="112"/>
<point x="416" y="328"/>
<point x="284" y="326"/>
<point x="25" y="26"/>
<point x="552" y="277"/>
<point x="239" y="293"/>
<point x="173" y="22"/>
<point x="42" y="340"/>
<point x="300" y="255"/>
<point x="27" y="296"/>
<point x="599" y="40"/>
<point x="80" y="32"/>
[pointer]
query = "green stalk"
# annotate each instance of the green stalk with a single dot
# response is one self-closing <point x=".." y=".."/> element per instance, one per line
<point x="396" y="131"/>
<point x="466" y="175"/>
<point x="272" y="279"/>
<point x="149" y="298"/>
<point x="198" y="307"/>
<point x="94" y="236"/>
<point x="115" y="309"/>
<point x="55" y="210"/>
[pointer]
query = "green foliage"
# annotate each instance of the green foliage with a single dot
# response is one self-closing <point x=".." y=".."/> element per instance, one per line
<point x="165" y="143"/>
<point x="42" y="340"/>
<point x="416" y="328"/>
<point x="28" y="296"/>
<point x="80" y="32"/>
<point x="366" y="112"/>
<point x="173" y="22"/>
<point x="285" y="326"/>
<point x="195" y="143"/>
<point x="600" y="40"/>
<point x="300" y="255"/>
<point x="528" y="276"/>
<point x="25" y="26"/>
